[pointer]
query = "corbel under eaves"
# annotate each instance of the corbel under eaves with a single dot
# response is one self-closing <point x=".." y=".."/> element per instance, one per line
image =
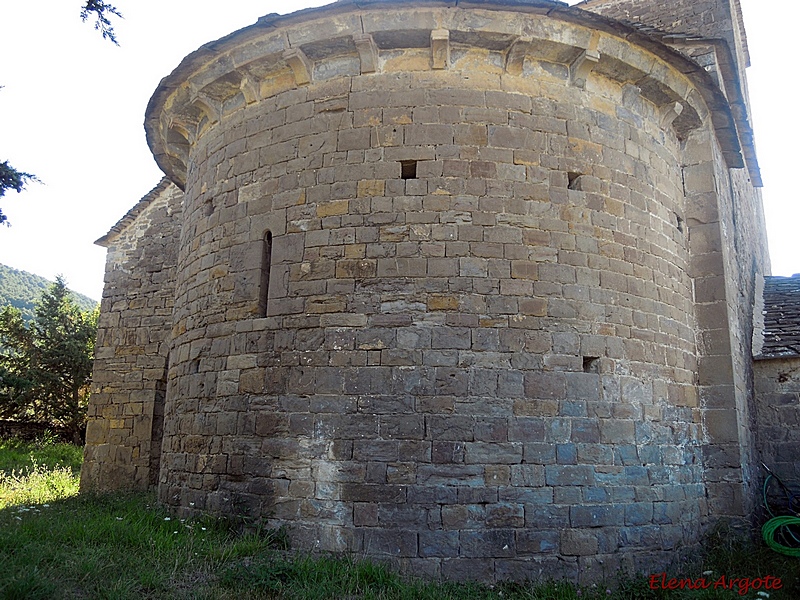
<point x="367" y="52"/>
<point x="668" y="113"/>
<point x="581" y="67"/>
<point x="298" y="62"/>
<point x="440" y="48"/>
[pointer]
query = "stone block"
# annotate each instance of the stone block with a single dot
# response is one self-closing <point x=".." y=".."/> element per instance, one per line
<point x="492" y="453"/>
<point x="583" y="386"/>
<point x="539" y="453"/>
<point x="470" y="135"/>
<point x="602" y="515"/>
<point x="490" y="543"/>
<point x="354" y="139"/>
<point x="575" y="542"/>
<point x="375" y="450"/>
<point x="390" y="542"/>
<point x="393" y="516"/>
<point x="545" y="385"/>
<point x="640" y="513"/>
<point x="536" y="542"/>
<point x="365" y="514"/>
<point x="367" y="492"/>
<point x="334" y="207"/>
<point x="722" y="425"/>
<point x="467" y="569"/>
<point x="438" y="544"/>
<point x="447" y="452"/>
<point x="569" y="475"/>
<point x="426" y="134"/>
<point x="468" y="495"/>
<point x="406" y="427"/>
<point x="450" y="475"/>
<point x="566" y="454"/>
<point x="585" y="430"/>
<point x="442" y="302"/>
<point x="527" y="475"/>
<point x="616" y="431"/>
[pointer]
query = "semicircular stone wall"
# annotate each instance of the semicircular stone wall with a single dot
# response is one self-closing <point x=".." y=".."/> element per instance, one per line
<point x="432" y="297"/>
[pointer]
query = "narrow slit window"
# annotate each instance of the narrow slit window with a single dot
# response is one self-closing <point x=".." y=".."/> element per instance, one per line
<point x="679" y="222"/>
<point x="408" y="169"/>
<point x="266" y="264"/>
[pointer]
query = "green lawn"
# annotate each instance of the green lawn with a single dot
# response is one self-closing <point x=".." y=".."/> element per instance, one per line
<point x="55" y="544"/>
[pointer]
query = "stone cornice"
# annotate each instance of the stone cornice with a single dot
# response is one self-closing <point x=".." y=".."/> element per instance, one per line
<point x="280" y="52"/>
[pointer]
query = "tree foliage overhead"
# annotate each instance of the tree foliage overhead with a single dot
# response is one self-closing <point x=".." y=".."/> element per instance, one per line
<point x="101" y="11"/>
<point x="11" y="179"/>
<point x="46" y="367"/>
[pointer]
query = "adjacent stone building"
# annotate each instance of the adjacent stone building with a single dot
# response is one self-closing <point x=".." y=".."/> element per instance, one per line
<point x="776" y="346"/>
<point x="465" y="284"/>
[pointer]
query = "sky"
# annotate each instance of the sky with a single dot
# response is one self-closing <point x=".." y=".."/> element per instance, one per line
<point x="72" y="108"/>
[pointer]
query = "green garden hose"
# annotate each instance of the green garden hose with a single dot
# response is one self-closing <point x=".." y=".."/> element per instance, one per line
<point x="773" y="527"/>
<point x="785" y="528"/>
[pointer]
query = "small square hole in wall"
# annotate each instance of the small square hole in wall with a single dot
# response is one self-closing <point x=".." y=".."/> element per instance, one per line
<point x="591" y="364"/>
<point x="572" y="180"/>
<point x="408" y="169"/>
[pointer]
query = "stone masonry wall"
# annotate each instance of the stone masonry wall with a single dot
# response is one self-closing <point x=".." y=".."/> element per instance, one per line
<point x="126" y="411"/>
<point x="478" y="355"/>
<point x="726" y="226"/>
<point x="778" y="416"/>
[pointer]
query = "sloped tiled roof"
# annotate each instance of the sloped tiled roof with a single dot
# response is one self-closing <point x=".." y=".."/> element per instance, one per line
<point x="781" y="317"/>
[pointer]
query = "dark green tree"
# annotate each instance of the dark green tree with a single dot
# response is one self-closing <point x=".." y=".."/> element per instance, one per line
<point x="11" y="179"/>
<point x="101" y="12"/>
<point x="46" y="367"/>
<point x="16" y="350"/>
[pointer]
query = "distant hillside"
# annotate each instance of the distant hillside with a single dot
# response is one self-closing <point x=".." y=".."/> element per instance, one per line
<point x="22" y="289"/>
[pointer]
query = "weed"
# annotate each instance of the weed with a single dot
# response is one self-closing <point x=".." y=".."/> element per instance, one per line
<point x="20" y="456"/>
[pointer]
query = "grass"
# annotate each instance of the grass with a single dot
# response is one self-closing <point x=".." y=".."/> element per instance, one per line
<point x="19" y="455"/>
<point x="55" y="544"/>
<point x="39" y="472"/>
